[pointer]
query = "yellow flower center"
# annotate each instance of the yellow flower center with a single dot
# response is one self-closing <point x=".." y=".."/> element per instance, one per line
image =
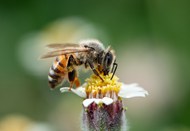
<point x="96" y="88"/>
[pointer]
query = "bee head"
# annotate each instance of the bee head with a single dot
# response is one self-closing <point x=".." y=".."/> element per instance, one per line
<point x="108" y="60"/>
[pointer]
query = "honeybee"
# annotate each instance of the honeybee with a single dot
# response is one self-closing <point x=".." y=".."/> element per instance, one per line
<point x="69" y="56"/>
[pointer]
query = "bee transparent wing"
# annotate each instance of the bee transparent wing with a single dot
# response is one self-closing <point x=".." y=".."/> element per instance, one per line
<point x="62" y="45"/>
<point x="63" y="52"/>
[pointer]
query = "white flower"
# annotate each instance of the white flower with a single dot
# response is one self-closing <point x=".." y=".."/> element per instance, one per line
<point x="126" y="91"/>
<point x="132" y="90"/>
<point x="80" y="91"/>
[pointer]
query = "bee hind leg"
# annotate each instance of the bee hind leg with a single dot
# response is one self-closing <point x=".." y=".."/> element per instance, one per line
<point x="72" y="74"/>
<point x="72" y="78"/>
<point x="77" y="82"/>
<point x="71" y="85"/>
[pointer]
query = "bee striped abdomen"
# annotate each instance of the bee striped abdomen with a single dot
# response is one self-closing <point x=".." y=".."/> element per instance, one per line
<point x="57" y="71"/>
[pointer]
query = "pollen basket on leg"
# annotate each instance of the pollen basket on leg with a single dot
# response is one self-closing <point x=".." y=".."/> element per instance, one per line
<point x="96" y="88"/>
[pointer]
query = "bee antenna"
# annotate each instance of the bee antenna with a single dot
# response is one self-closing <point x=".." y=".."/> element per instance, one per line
<point x="114" y="68"/>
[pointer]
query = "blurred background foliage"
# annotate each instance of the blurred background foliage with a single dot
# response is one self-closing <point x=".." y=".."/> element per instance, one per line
<point x="151" y="39"/>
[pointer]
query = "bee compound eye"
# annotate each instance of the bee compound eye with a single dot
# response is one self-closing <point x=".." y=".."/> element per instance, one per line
<point x="107" y="62"/>
<point x="108" y="59"/>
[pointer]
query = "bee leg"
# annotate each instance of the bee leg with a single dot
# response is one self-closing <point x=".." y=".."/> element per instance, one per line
<point x="93" y="69"/>
<point x="114" y="68"/>
<point x="71" y="85"/>
<point x="77" y="82"/>
<point x="71" y="76"/>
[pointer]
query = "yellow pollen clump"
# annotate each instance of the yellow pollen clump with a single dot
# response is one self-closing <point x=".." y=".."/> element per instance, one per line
<point x="97" y="88"/>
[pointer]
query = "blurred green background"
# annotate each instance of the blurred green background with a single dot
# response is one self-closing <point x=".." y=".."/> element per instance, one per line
<point x="152" y="43"/>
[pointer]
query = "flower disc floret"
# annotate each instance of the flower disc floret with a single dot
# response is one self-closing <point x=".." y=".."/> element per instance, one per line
<point x="96" y="88"/>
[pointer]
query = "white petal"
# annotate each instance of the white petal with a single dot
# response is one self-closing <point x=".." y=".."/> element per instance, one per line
<point x="80" y="91"/>
<point x="107" y="100"/>
<point x="132" y="90"/>
<point x="114" y="96"/>
<point x="64" y="89"/>
<point x="87" y="102"/>
<point x="98" y="101"/>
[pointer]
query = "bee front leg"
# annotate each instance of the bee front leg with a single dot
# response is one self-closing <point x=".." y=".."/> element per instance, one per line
<point x="93" y="68"/>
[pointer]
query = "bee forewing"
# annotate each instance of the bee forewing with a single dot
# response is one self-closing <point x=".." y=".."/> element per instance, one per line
<point x="62" y="45"/>
<point x="63" y="52"/>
